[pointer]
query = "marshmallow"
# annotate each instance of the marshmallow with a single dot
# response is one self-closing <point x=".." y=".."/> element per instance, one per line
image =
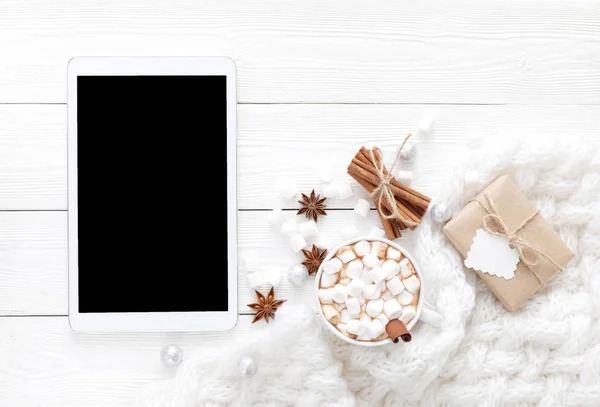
<point x="364" y="336"/>
<point x="392" y="309"/>
<point x="391" y="268"/>
<point x="324" y="243"/>
<point x="382" y="286"/>
<point x="364" y="317"/>
<point x="362" y="208"/>
<point x="379" y="249"/>
<point x="393" y="254"/>
<point x="342" y="328"/>
<point x="326" y="174"/>
<point x="349" y="231"/>
<point x="412" y="284"/>
<point x="308" y="229"/>
<point x="325" y="295"/>
<point x="353" y="306"/>
<point x="255" y="279"/>
<point x="404" y="177"/>
<point x="347" y="256"/>
<point x="371" y="291"/>
<point x="297" y="243"/>
<point x="395" y="286"/>
<point x="374" y="307"/>
<point x="332" y="266"/>
<point x="354" y="269"/>
<point x="275" y="217"/>
<point x="377" y="274"/>
<point x="289" y="228"/>
<point x="405" y="268"/>
<point x="405" y="298"/>
<point x="364" y="277"/>
<point x="361" y="299"/>
<point x="370" y="260"/>
<point x="340" y="293"/>
<point x="344" y="281"/>
<point x="339" y="307"/>
<point x="386" y="295"/>
<point x="376" y="232"/>
<point x="287" y="188"/>
<point x="328" y="280"/>
<point x="345" y="190"/>
<point x="361" y="248"/>
<point x="274" y="278"/>
<point x="330" y="190"/>
<point x="471" y="178"/>
<point x="375" y="328"/>
<point x="408" y="314"/>
<point x="356" y="287"/>
<point x="356" y="327"/>
<point x="345" y="316"/>
<point x="331" y="314"/>
<point x="383" y="319"/>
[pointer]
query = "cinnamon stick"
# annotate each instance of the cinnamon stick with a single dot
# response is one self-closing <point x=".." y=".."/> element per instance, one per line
<point x="396" y="329"/>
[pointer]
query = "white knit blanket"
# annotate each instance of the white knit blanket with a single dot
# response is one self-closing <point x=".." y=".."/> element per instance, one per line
<point x="546" y="354"/>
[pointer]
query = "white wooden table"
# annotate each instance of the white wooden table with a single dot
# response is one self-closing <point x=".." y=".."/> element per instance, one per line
<point x="316" y="80"/>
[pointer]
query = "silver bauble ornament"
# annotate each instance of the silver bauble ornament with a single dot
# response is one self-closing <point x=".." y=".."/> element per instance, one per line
<point x="171" y="355"/>
<point x="297" y="275"/>
<point x="409" y="152"/>
<point x="246" y="367"/>
<point x="440" y="212"/>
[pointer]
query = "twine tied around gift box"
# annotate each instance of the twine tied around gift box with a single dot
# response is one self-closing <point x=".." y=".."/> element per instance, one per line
<point x="529" y="254"/>
<point x="384" y="189"/>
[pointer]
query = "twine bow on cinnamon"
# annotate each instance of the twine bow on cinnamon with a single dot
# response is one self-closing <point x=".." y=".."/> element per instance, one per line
<point x="529" y="254"/>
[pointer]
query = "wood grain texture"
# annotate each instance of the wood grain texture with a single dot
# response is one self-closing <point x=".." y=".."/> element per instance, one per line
<point x="44" y="363"/>
<point x="344" y="51"/>
<point x="293" y="141"/>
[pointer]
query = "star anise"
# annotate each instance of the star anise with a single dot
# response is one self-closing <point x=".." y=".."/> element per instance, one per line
<point x="312" y="206"/>
<point x="314" y="258"/>
<point x="266" y="306"/>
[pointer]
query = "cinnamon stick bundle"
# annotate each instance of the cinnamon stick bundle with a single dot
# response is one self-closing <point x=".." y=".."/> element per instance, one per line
<point x="367" y="169"/>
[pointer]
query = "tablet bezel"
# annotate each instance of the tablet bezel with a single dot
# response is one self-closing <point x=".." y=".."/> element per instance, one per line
<point x="152" y="321"/>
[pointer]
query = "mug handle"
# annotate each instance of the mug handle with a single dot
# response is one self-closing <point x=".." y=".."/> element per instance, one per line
<point x="431" y="317"/>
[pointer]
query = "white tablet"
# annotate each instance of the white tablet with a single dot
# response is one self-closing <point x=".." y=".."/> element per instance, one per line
<point x="152" y="194"/>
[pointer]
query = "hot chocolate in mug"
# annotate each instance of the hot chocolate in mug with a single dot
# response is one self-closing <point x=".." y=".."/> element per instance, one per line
<point x="368" y="279"/>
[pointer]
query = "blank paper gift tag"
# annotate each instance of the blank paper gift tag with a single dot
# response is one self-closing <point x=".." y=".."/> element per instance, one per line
<point x="493" y="255"/>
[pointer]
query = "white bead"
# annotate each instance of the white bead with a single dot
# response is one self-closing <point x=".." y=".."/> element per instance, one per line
<point x="362" y="208"/>
<point x="356" y="327"/>
<point x="246" y="367"/>
<point x="371" y="291"/>
<point x="347" y="256"/>
<point x="275" y="217"/>
<point x="377" y="274"/>
<point x="409" y="152"/>
<point x="375" y="328"/>
<point x="289" y="228"/>
<point x="412" y="284"/>
<point x="273" y="278"/>
<point x="328" y="280"/>
<point x="345" y="190"/>
<point x="405" y="177"/>
<point x="297" y="243"/>
<point x="374" y="307"/>
<point x="332" y="266"/>
<point x="361" y="248"/>
<point x="355" y="288"/>
<point x="349" y="231"/>
<point x="440" y="213"/>
<point x="171" y="355"/>
<point x="408" y="313"/>
<point x="370" y="260"/>
<point x="376" y="232"/>
<point x="395" y="286"/>
<point x="472" y="178"/>
<point x="405" y="298"/>
<point x="308" y="228"/>
<point x="255" y="279"/>
<point x="324" y="243"/>
<point x="353" y="305"/>
<point x="297" y="275"/>
<point x="354" y="269"/>
<point x="340" y="293"/>
<point x="326" y="295"/>
<point x="392" y="309"/>
<point x="330" y="191"/>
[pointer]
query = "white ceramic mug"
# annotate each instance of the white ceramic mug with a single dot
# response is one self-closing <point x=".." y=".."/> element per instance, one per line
<point x="423" y="314"/>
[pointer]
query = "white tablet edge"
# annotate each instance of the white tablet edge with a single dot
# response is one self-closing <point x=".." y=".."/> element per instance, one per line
<point x="153" y="321"/>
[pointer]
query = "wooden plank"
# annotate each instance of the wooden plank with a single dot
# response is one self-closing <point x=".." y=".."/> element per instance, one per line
<point x="294" y="141"/>
<point x="343" y="51"/>
<point x="33" y="258"/>
<point x="44" y="363"/>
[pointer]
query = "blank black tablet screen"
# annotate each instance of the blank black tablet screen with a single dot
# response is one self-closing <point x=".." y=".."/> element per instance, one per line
<point x="152" y="187"/>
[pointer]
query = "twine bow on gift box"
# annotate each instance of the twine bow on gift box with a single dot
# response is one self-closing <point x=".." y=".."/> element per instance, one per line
<point x="528" y="253"/>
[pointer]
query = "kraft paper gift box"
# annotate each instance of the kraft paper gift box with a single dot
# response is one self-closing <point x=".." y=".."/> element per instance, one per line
<point x="522" y="220"/>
